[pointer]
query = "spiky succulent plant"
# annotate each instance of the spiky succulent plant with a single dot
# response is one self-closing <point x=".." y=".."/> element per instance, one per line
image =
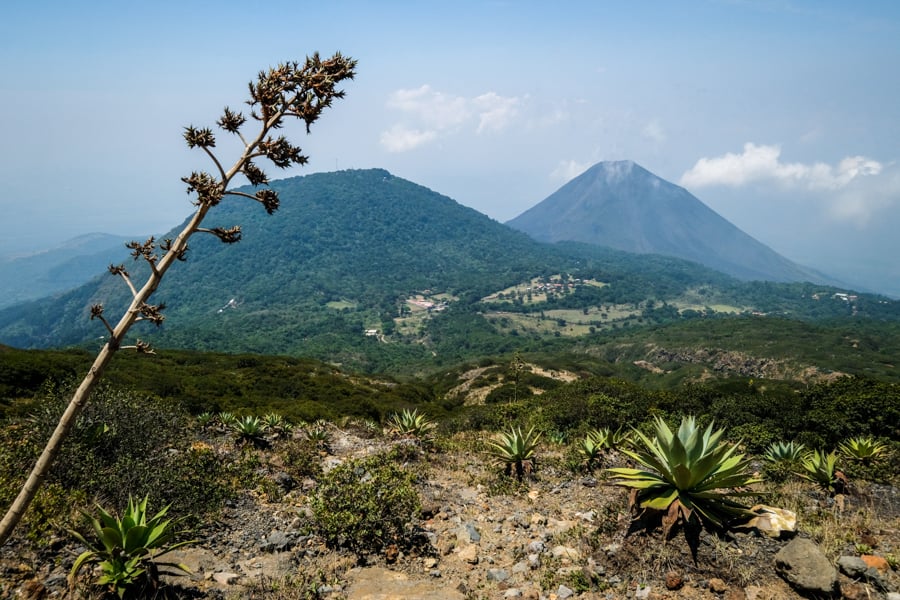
<point x="411" y="423"/>
<point x="864" y="449"/>
<point x="784" y="452"/>
<point x="690" y="475"/>
<point x="515" y="450"/>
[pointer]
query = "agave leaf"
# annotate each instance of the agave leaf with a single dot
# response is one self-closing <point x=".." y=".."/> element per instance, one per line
<point x="159" y="534"/>
<point x="661" y="502"/>
<point x="107" y="519"/>
<point x="136" y="540"/>
<point x="111" y="538"/>
<point x="79" y="562"/>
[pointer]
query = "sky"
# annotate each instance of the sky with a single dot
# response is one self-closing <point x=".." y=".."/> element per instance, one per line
<point x="782" y="116"/>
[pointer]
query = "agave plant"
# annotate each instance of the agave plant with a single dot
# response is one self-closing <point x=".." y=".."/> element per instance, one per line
<point x="821" y="469"/>
<point x="864" y="449"/>
<point x="618" y="439"/>
<point x="690" y="476"/>
<point x="557" y="437"/>
<point x="411" y="423"/>
<point x="127" y="548"/>
<point x="249" y="429"/>
<point x="515" y="450"/>
<point x="227" y="419"/>
<point x="273" y="421"/>
<point x="778" y="452"/>
<point x="591" y="448"/>
<point x="318" y="433"/>
<point x="204" y="419"/>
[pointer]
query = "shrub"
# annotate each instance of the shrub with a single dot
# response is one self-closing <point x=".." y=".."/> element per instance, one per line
<point x="365" y="505"/>
<point x="122" y="444"/>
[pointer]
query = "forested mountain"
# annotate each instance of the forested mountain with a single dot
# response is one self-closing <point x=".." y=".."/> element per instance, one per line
<point x="622" y="205"/>
<point x="371" y="271"/>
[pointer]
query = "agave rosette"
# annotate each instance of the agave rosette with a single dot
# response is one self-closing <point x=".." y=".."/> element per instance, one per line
<point x="515" y="449"/>
<point x="688" y="474"/>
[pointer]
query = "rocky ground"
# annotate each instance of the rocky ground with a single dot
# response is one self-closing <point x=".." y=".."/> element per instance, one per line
<point x="559" y="535"/>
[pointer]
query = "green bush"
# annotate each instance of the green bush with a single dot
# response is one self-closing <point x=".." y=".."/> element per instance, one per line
<point x="365" y="505"/>
<point x="122" y="445"/>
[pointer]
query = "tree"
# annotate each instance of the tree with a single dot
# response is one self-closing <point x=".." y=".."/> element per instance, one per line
<point x="293" y="89"/>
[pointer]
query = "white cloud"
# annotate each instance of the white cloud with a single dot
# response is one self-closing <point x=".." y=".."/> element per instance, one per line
<point x="862" y="199"/>
<point x="567" y="170"/>
<point x="494" y="112"/>
<point x="761" y="163"/>
<point x="435" y="109"/>
<point x="654" y="132"/>
<point x="429" y="114"/>
<point x="400" y="139"/>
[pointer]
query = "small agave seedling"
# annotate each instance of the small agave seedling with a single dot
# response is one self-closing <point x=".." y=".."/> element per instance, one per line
<point x="127" y="548"/>
<point x="591" y="448"/>
<point x="821" y="469"/>
<point x="515" y="451"/>
<point x="249" y="429"/>
<point x="273" y="422"/>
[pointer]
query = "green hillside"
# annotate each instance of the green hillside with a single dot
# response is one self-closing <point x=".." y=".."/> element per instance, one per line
<point x="375" y="273"/>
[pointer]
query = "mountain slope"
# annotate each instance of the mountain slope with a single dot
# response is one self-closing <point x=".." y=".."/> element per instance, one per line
<point x="329" y="264"/>
<point x="624" y="206"/>
<point x="57" y="269"/>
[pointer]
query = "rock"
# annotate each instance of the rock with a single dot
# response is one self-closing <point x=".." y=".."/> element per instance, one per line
<point x="642" y="592"/>
<point x="468" y="533"/>
<point x="860" y="568"/>
<point x="803" y="565"/>
<point x="876" y="562"/>
<point x="771" y="521"/>
<point x="674" y="581"/>
<point x="520" y="567"/>
<point x="565" y="553"/>
<point x="391" y="553"/>
<point x="564" y="592"/>
<point x="534" y="561"/>
<point x="469" y="554"/>
<point x="277" y="541"/>
<point x="223" y="578"/>
<point x="717" y="585"/>
<point x="284" y="481"/>
<point x="892" y="596"/>
<point x="512" y="593"/>
<point x="497" y="575"/>
<point x="429" y="563"/>
<point x="852" y="566"/>
<point x="536" y="547"/>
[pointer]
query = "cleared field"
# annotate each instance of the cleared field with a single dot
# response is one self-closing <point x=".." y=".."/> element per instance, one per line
<point x="340" y="304"/>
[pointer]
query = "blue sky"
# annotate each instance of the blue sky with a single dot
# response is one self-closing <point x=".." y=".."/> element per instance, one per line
<point x="783" y="116"/>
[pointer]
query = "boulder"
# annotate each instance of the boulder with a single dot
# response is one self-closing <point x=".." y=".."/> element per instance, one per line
<point x="806" y="569"/>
